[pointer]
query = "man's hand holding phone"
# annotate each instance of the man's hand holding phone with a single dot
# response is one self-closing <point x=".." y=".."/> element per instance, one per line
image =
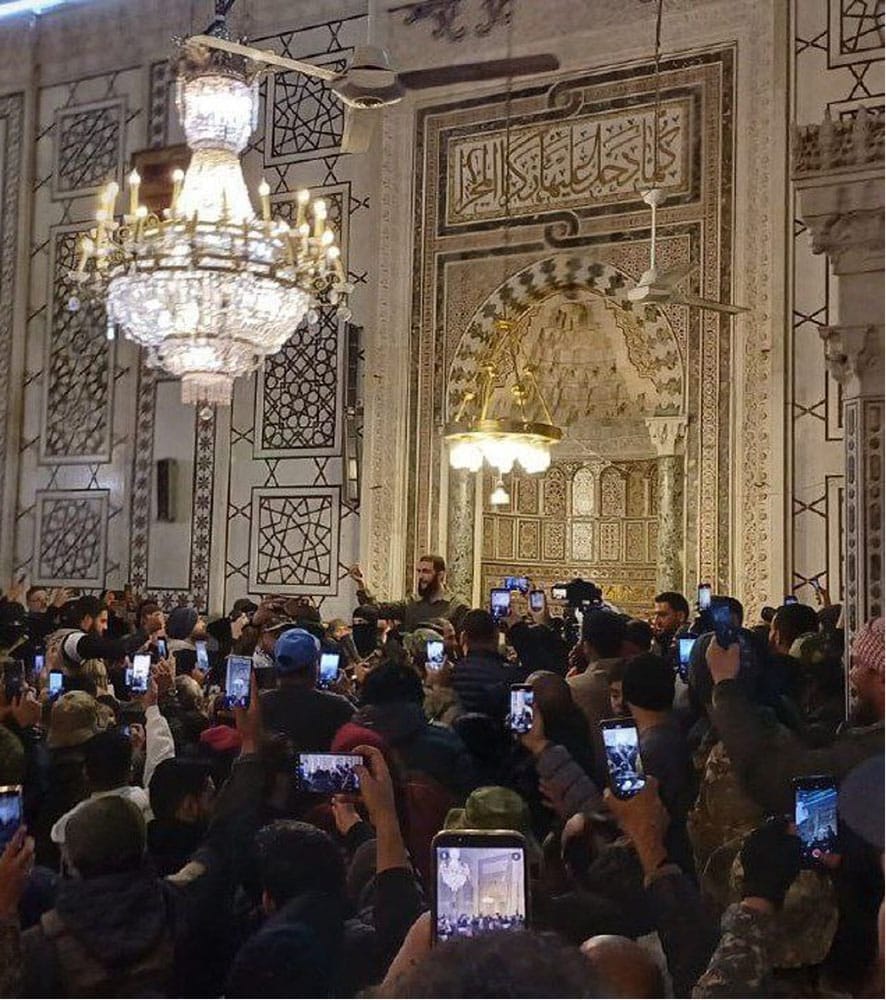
<point x="723" y="663"/>
<point x="377" y="792"/>
<point x="644" y="821"/>
<point x="248" y="720"/>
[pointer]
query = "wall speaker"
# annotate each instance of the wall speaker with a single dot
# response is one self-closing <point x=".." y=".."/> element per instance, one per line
<point x="166" y="482"/>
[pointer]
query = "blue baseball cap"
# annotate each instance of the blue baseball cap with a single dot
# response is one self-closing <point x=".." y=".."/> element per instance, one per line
<point x="296" y="650"/>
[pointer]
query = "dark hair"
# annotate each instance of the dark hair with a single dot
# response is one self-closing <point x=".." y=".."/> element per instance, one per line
<point x="500" y="964"/>
<point x="648" y="682"/>
<point x="604" y="631"/>
<point x="478" y="626"/>
<point x="148" y="607"/>
<point x="296" y="857"/>
<point x="29" y="593"/>
<point x="735" y="608"/>
<point x="172" y="782"/>
<point x="105" y="836"/>
<point x="438" y="562"/>
<point x="80" y="682"/>
<point x="84" y="606"/>
<point x="615" y="672"/>
<point x="391" y="683"/>
<point x="677" y="602"/>
<point x="108" y="760"/>
<point x="639" y="633"/>
<point x="794" y="620"/>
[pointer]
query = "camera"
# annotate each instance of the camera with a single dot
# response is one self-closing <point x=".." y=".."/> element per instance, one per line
<point x="579" y="595"/>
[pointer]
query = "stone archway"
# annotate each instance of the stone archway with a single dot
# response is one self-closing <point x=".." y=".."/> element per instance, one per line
<point x="611" y="373"/>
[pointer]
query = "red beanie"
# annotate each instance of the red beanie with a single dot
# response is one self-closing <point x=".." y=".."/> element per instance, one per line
<point x="221" y="739"/>
<point x="352" y="735"/>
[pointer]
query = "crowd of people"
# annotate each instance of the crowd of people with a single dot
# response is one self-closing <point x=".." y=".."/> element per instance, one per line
<point x="160" y="843"/>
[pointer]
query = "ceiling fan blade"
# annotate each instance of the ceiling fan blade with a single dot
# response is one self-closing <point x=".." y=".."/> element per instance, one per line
<point x="358" y="129"/>
<point x="268" y="57"/>
<point x="673" y="277"/>
<point x="694" y="300"/>
<point x="442" y="76"/>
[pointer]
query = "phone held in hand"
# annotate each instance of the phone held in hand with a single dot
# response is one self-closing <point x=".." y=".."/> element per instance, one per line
<point x="56" y="683"/>
<point x="14" y="680"/>
<point x="237" y="681"/>
<point x="621" y="742"/>
<point x="329" y="669"/>
<point x="141" y="671"/>
<point x="11" y="812"/>
<point x="329" y="773"/>
<point x="434" y="654"/>
<point x="684" y="651"/>
<point x="558" y="592"/>
<point x="704" y="596"/>
<point x="536" y="600"/>
<point x="522" y="708"/>
<point x="499" y="603"/>
<point x="815" y="816"/>
<point x="162" y="648"/>
<point x="520" y="583"/>
<point x="202" y="655"/>
<point x="480" y="883"/>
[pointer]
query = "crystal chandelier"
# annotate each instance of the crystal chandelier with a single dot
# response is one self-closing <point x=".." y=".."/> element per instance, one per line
<point x="208" y="288"/>
<point x="474" y="436"/>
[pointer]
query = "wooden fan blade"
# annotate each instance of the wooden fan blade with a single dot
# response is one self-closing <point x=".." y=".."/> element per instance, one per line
<point x="694" y="300"/>
<point x="268" y="57"/>
<point x="358" y="129"/>
<point x="442" y="76"/>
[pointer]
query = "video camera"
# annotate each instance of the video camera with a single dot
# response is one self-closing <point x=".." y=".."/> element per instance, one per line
<point x="579" y="595"/>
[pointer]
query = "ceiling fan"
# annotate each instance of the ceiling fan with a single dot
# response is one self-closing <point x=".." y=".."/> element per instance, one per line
<point x="661" y="288"/>
<point x="369" y="83"/>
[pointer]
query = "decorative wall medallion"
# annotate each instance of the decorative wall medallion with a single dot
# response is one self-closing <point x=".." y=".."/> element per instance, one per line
<point x="295" y="540"/>
<point x="70" y="538"/>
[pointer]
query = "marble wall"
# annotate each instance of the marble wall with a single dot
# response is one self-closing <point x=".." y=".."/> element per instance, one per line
<point x="836" y="67"/>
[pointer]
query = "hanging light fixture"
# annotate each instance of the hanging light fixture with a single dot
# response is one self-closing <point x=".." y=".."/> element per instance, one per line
<point x="475" y="437"/>
<point x="209" y="288"/>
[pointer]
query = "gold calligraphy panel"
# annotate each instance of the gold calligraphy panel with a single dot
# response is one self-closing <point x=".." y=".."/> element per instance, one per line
<point x="602" y="158"/>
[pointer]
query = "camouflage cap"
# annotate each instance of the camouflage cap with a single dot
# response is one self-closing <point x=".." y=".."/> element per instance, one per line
<point x="495" y="808"/>
<point x="414" y="642"/>
<point x="74" y="720"/>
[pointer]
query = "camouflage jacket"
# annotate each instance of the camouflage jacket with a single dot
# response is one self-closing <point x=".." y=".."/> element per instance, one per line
<point x="740" y="966"/>
<point x="766" y="755"/>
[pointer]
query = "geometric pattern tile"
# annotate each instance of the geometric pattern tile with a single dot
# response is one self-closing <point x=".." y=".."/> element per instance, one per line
<point x="88" y="147"/>
<point x="70" y="538"/>
<point x="77" y="381"/>
<point x="294" y="544"/>
<point x="298" y="390"/>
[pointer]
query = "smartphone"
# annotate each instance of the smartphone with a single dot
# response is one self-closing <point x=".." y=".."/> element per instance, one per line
<point x="536" y="600"/>
<point x="558" y="592"/>
<point x="329" y="773"/>
<point x="202" y="655"/>
<point x="499" y="603"/>
<point x="141" y="670"/>
<point x="14" y="680"/>
<point x="237" y="681"/>
<point x="162" y="648"/>
<point x="522" y="702"/>
<point x="520" y="583"/>
<point x="56" y="683"/>
<point x="480" y="883"/>
<point x="10" y="812"/>
<point x="434" y="654"/>
<point x="815" y="815"/>
<point x="39" y="663"/>
<point x="622" y="744"/>
<point x="329" y="663"/>
<point x="791" y="599"/>
<point x="704" y="596"/>
<point x="684" y="651"/>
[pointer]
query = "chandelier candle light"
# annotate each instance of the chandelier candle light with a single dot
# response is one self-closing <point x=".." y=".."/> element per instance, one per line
<point x="475" y="437"/>
<point x="209" y="288"/>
